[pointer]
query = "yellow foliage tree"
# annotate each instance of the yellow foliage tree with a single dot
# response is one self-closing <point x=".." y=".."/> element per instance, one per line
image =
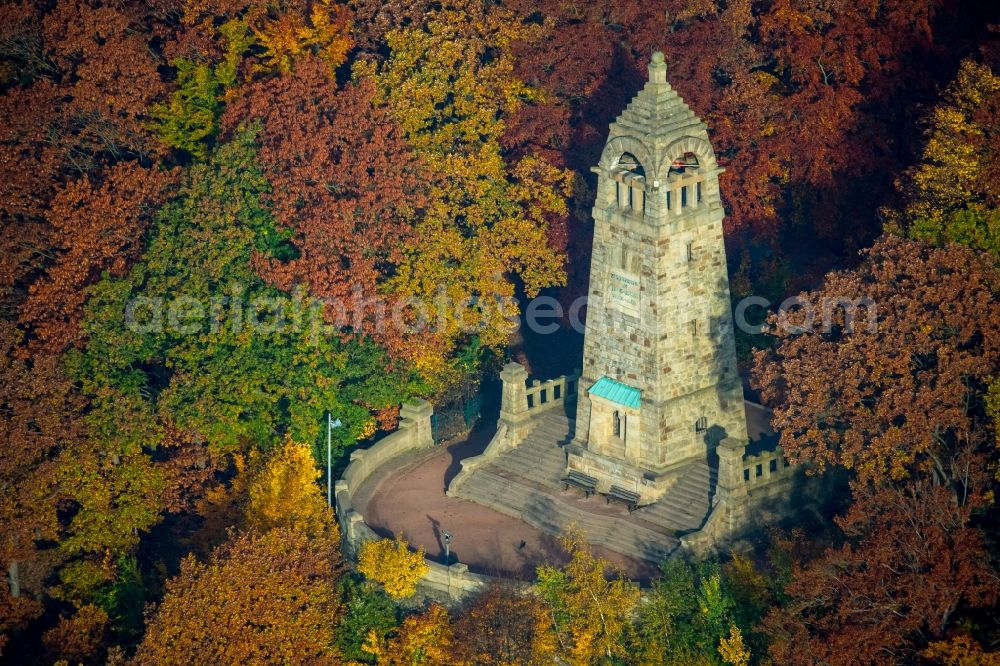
<point x="590" y="612"/>
<point x="961" y="650"/>
<point x="749" y="587"/>
<point x="392" y="563"/>
<point x="732" y="650"/>
<point x="450" y="83"/>
<point x="284" y="493"/>
<point x="953" y="193"/>
<point x="290" y="36"/>
<point x="425" y="638"/>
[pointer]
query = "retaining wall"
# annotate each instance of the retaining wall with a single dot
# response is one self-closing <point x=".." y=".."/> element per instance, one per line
<point x="449" y="584"/>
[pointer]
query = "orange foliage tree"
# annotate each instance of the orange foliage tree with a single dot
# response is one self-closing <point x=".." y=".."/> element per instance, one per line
<point x="502" y="627"/>
<point x="261" y="598"/>
<point x="96" y="227"/>
<point x="900" y="404"/>
<point x="424" y="638"/>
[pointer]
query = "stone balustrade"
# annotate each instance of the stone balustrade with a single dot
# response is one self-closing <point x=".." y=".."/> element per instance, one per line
<point x="766" y="467"/>
<point x="500" y="444"/>
<point x="684" y="191"/>
<point x="747" y="484"/>
<point x="519" y="397"/>
<point x="520" y="402"/>
<point x="552" y="393"/>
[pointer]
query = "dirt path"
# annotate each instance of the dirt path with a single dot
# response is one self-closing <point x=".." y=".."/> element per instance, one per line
<point x="410" y="500"/>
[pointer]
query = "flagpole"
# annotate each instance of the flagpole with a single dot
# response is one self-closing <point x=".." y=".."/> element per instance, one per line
<point x="329" y="462"/>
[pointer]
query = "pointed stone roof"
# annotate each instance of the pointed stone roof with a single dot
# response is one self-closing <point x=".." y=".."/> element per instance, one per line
<point x="657" y="114"/>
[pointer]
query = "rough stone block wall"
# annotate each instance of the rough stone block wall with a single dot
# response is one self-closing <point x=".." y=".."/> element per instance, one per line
<point x="659" y="315"/>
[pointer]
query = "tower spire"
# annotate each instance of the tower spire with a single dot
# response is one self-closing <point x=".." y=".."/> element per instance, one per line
<point x="659" y="387"/>
<point x="657" y="68"/>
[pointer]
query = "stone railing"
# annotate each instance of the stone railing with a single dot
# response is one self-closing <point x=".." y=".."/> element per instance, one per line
<point x="765" y="468"/>
<point x="500" y="443"/>
<point x="545" y="395"/>
<point x="446" y="583"/>
<point x="744" y="482"/>
<point x="712" y="534"/>
<point x="520" y="401"/>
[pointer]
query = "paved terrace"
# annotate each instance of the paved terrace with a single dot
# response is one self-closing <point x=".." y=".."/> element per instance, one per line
<point x="410" y="500"/>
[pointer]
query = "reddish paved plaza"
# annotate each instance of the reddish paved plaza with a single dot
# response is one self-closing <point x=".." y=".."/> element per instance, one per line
<point x="409" y="499"/>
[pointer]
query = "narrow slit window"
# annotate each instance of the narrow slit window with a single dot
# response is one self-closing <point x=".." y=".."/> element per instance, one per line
<point x="690" y="251"/>
<point x="616" y="423"/>
<point x="684" y="196"/>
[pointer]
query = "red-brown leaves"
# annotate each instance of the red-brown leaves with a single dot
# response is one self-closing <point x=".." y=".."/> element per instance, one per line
<point x="877" y="602"/>
<point x="888" y="402"/>
<point x="345" y="182"/>
<point x="900" y="406"/>
<point x="95" y="227"/>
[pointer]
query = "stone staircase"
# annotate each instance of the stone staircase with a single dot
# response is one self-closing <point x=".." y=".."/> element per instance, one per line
<point x="686" y="504"/>
<point x="524" y="483"/>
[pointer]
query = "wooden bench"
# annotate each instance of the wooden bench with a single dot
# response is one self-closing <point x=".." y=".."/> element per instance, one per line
<point x="626" y="497"/>
<point x="587" y="484"/>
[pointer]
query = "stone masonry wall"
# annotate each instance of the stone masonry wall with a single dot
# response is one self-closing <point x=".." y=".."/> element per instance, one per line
<point x="449" y="584"/>
<point x="659" y="315"/>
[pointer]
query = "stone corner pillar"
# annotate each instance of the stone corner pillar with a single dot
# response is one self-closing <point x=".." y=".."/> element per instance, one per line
<point x="416" y="414"/>
<point x="514" y="397"/>
<point x="730" y="452"/>
<point x="732" y="489"/>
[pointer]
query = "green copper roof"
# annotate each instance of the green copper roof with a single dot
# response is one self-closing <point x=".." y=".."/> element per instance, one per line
<point x="623" y="394"/>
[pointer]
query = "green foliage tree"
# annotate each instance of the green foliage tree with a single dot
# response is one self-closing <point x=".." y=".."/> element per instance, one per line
<point x="218" y="352"/>
<point x="210" y="351"/>
<point x="190" y="119"/>
<point x="366" y="609"/>
<point x="590" y="612"/>
<point x="694" y="613"/>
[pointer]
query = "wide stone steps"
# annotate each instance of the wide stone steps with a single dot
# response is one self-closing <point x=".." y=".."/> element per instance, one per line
<point x="550" y="513"/>
<point x="686" y="504"/>
<point x="525" y="483"/>
<point x="544" y="468"/>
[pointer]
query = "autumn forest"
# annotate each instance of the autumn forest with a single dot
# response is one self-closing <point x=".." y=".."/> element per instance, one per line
<point x="163" y="492"/>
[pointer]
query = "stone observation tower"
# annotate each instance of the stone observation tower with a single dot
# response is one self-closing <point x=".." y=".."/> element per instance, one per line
<point x="659" y="386"/>
<point x="656" y="419"/>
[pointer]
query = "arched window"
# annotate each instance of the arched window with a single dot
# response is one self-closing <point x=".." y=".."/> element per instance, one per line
<point x="616" y="424"/>
<point x="630" y="177"/>
<point x="629" y="163"/>
<point x="682" y="164"/>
